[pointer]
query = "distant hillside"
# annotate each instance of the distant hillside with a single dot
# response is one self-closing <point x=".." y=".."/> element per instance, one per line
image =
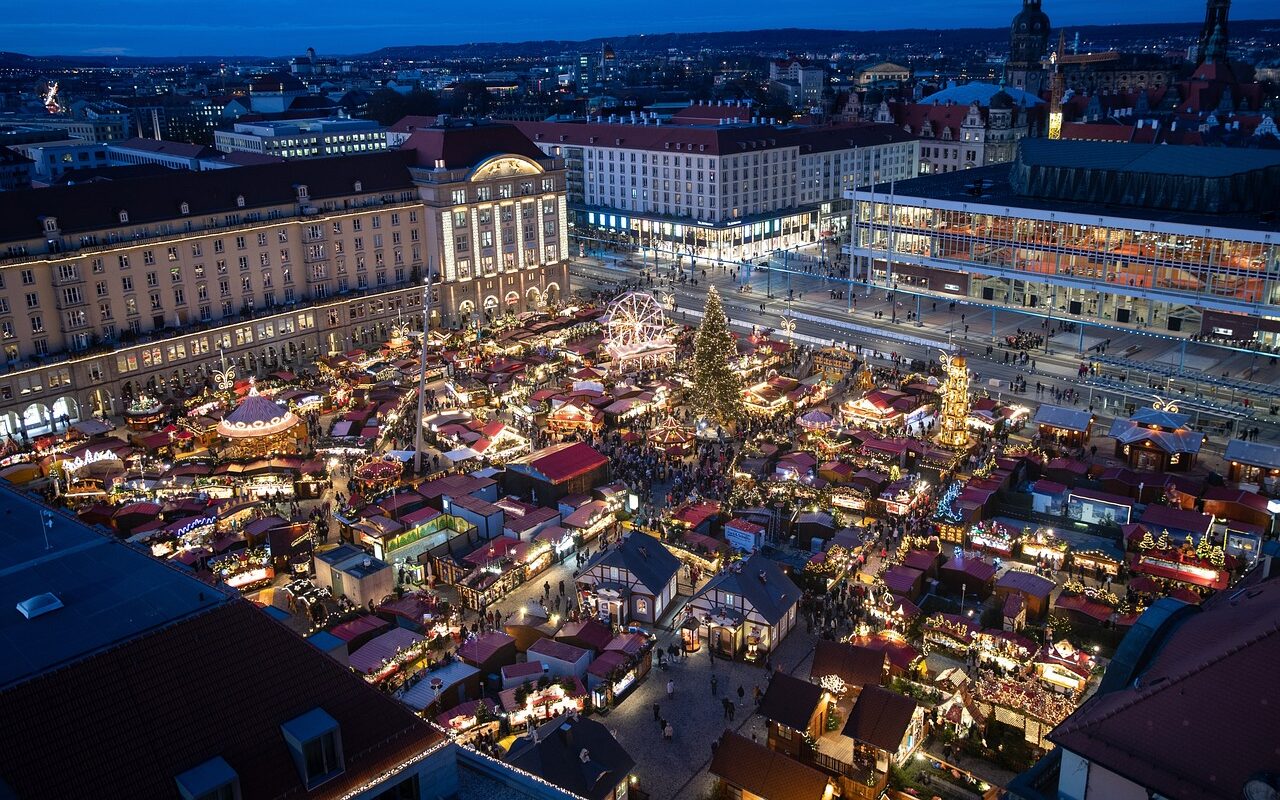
<point x="808" y="39"/>
<point x="904" y="40"/>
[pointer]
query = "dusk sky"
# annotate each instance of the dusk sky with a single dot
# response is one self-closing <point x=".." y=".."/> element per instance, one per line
<point x="244" y="27"/>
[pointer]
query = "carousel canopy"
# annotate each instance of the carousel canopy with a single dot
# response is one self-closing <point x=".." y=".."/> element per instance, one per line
<point x="256" y="416"/>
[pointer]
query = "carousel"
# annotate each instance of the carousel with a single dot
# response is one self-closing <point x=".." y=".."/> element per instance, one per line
<point x="672" y="438"/>
<point x="144" y="413"/>
<point x="259" y="426"/>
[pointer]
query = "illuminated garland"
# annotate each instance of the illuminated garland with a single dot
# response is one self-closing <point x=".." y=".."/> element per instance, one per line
<point x="946" y="509"/>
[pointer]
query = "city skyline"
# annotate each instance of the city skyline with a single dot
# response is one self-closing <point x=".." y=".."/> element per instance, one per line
<point x="245" y="33"/>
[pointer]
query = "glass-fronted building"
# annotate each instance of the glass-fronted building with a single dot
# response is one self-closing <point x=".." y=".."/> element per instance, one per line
<point x="1167" y="241"/>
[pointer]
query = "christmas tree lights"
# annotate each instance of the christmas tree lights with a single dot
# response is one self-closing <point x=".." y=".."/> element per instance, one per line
<point x="717" y="386"/>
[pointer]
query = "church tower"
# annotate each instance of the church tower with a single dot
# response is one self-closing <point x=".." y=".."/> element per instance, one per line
<point x="1213" y="36"/>
<point x="1028" y="45"/>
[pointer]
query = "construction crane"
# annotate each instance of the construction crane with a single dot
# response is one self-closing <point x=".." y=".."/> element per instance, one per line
<point x="1058" y="87"/>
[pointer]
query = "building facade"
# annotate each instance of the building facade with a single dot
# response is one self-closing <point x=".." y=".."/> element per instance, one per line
<point x="303" y="138"/>
<point x="114" y="289"/>
<point x="962" y="127"/>
<point x="723" y="190"/>
<point x="1179" y="252"/>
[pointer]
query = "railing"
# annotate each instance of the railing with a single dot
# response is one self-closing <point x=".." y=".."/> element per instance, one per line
<point x="863" y="773"/>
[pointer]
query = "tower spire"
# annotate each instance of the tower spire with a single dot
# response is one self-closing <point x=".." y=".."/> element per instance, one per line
<point x="1214" y="35"/>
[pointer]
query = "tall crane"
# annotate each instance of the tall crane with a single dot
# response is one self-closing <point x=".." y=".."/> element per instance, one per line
<point x="1058" y="88"/>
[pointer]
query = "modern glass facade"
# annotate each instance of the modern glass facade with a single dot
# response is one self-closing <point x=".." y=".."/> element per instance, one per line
<point x="1216" y="281"/>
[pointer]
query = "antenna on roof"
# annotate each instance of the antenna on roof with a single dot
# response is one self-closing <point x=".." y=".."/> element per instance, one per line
<point x="46" y="525"/>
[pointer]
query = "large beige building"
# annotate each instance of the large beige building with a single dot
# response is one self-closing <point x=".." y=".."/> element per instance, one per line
<point x="114" y="288"/>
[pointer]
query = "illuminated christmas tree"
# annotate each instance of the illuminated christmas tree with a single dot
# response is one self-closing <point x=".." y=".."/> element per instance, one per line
<point x="1217" y="557"/>
<point x="717" y="385"/>
<point x="1147" y="542"/>
<point x="952" y="423"/>
<point x="1163" y="542"/>
<point x="1204" y="549"/>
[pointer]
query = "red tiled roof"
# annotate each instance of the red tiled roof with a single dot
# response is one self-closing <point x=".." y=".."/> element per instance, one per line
<point x="1210" y="675"/>
<point x="125" y="722"/>
<point x="713" y="139"/>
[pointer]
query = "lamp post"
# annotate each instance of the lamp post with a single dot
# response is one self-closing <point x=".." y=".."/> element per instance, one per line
<point x="422" y="374"/>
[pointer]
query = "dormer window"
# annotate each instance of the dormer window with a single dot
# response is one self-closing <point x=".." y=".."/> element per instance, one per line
<point x="185" y="208"/>
<point x="50" y="224"/>
<point x="212" y="780"/>
<point x="303" y="193"/>
<point x="239" y="201"/>
<point x="359" y="187"/>
<point x="315" y="742"/>
<point x="124" y="216"/>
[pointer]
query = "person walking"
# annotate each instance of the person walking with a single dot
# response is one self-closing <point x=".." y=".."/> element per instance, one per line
<point x="671" y="688"/>
<point x="728" y="707"/>
<point x="714" y="684"/>
<point x="657" y="712"/>
<point x="668" y="732"/>
<point x="742" y="694"/>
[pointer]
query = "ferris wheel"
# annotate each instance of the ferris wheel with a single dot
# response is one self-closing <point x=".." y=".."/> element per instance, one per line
<point x="636" y="321"/>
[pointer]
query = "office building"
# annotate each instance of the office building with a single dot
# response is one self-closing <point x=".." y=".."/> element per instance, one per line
<point x="51" y="160"/>
<point x="174" y="155"/>
<point x="717" y="184"/>
<point x="1161" y="238"/>
<point x="801" y="83"/>
<point x="15" y="170"/>
<point x="116" y="288"/>
<point x="303" y="138"/>
<point x="90" y="125"/>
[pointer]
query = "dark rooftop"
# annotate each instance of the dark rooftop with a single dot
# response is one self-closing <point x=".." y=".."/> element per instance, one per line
<point x="109" y="591"/>
<point x="790" y="701"/>
<point x="580" y="756"/>
<point x="990" y="190"/>
<point x="880" y="718"/>
<point x="156" y="198"/>
<point x="115" y="681"/>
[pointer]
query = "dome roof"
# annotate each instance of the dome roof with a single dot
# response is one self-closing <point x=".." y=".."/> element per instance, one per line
<point x="1031" y="19"/>
<point x="256" y="416"/>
